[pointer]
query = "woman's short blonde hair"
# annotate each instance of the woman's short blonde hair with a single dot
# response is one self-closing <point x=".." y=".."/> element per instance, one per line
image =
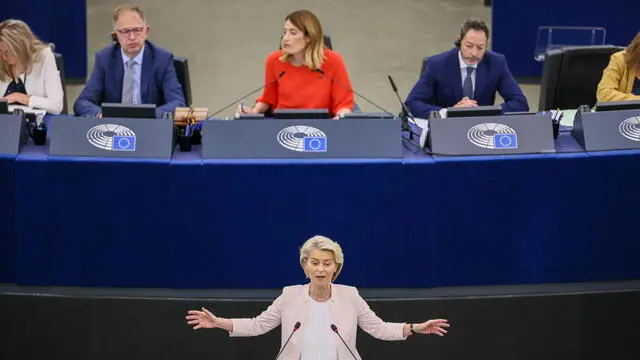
<point x="320" y="242"/>
<point x="310" y="26"/>
<point x="21" y="43"/>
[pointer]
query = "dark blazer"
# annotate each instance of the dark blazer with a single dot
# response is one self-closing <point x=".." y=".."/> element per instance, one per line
<point x="158" y="81"/>
<point x="440" y="85"/>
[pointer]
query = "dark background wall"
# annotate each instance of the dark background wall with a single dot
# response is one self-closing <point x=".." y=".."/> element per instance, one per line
<point x="62" y="22"/>
<point x="552" y="327"/>
<point x="515" y="24"/>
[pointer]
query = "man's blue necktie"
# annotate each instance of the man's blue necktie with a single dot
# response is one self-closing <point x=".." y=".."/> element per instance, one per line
<point x="467" y="86"/>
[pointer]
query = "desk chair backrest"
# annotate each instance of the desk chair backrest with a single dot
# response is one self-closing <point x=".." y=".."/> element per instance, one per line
<point x="571" y="75"/>
<point x="182" y="71"/>
<point x="60" y="66"/>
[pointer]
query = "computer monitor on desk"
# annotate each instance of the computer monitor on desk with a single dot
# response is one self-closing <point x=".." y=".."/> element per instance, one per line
<point x="618" y="105"/>
<point x="4" y="107"/>
<point x="474" y="111"/>
<point x="362" y="115"/>
<point x="301" y="113"/>
<point x="249" y="116"/>
<point x="130" y="111"/>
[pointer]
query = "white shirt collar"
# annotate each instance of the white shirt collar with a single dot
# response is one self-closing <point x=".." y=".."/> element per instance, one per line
<point x="137" y="58"/>
<point x="463" y="64"/>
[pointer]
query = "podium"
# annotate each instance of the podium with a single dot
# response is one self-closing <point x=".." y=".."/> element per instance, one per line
<point x="111" y="137"/>
<point x="301" y="139"/>
<point x="13" y="134"/>
<point x="491" y="135"/>
<point x="607" y="130"/>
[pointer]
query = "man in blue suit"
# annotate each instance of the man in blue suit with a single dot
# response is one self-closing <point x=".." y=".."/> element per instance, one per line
<point x="466" y="76"/>
<point x="131" y="71"/>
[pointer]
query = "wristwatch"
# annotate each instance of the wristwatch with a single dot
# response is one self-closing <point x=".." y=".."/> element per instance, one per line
<point x="411" y="328"/>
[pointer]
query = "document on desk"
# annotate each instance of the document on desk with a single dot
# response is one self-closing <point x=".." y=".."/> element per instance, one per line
<point x="567" y="119"/>
<point x="423" y="124"/>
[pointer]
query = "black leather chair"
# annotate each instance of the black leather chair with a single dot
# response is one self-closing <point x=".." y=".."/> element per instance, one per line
<point x="570" y="76"/>
<point x="182" y="71"/>
<point x="60" y="66"/>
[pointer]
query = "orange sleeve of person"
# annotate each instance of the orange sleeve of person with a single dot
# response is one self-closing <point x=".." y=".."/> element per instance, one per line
<point x="341" y="96"/>
<point x="270" y="93"/>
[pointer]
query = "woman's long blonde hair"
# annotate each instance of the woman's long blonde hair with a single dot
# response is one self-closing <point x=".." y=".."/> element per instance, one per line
<point x="21" y="43"/>
<point x="632" y="53"/>
<point x="310" y="26"/>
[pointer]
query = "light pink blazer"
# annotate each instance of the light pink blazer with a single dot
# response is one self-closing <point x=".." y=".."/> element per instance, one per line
<point x="348" y="310"/>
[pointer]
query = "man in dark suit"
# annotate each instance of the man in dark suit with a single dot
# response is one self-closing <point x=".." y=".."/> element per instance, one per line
<point x="131" y="71"/>
<point x="466" y="76"/>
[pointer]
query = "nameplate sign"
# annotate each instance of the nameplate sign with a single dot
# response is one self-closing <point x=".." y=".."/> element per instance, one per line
<point x="111" y="137"/>
<point x="13" y="134"/>
<point x="607" y="130"/>
<point x="492" y="135"/>
<point x="269" y="138"/>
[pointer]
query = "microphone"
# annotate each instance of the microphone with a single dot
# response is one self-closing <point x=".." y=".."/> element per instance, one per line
<point x="249" y="94"/>
<point x="335" y="330"/>
<point x="351" y="89"/>
<point x="407" y="113"/>
<point x="295" y="327"/>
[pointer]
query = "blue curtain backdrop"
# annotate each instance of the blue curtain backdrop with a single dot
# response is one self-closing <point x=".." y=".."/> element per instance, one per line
<point x="515" y="25"/>
<point x="62" y="22"/>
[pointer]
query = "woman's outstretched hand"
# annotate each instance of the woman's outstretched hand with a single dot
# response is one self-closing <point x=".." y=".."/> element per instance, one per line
<point x="201" y="319"/>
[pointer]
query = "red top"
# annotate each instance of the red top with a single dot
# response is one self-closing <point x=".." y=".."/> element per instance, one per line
<point x="301" y="88"/>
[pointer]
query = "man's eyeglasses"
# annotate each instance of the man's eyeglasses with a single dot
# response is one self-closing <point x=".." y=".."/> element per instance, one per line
<point x="135" y="31"/>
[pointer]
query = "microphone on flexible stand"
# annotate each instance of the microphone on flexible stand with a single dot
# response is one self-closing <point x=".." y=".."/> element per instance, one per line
<point x="355" y="92"/>
<point x="335" y="330"/>
<point x="249" y="94"/>
<point x="406" y="114"/>
<point x="295" y="327"/>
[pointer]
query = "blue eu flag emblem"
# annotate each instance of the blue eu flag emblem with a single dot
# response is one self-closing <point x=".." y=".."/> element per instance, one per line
<point x="124" y="143"/>
<point x="505" y="141"/>
<point x="315" y="144"/>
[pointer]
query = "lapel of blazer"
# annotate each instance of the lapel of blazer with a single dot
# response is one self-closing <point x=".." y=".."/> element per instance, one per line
<point x="118" y="72"/>
<point x="482" y="72"/>
<point x="301" y="314"/>
<point x="3" y="88"/>
<point x="455" y="74"/>
<point x="342" y="315"/>
<point x="630" y="78"/>
<point x="146" y="73"/>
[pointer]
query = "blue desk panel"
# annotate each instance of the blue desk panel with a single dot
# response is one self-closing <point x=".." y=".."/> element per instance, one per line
<point x="7" y="220"/>
<point x="416" y="222"/>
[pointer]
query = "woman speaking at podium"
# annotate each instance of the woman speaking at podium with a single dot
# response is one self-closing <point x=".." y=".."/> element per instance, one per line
<point x="28" y="72"/>
<point x="304" y="74"/>
<point x="320" y="319"/>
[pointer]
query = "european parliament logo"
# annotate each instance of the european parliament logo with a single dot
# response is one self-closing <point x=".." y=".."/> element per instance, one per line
<point x="112" y="137"/>
<point x="302" y="138"/>
<point x="493" y="136"/>
<point x="124" y="143"/>
<point x="505" y="141"/>
<point x="630" y="128"/>
<point x="315" y="144"/>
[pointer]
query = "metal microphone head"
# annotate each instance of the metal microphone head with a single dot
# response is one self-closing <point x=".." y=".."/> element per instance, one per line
<point x="334" y="328"/>
<point x="393" y="84"/>
<point x="320" y="71"/>
<point x="297" y="325"/>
